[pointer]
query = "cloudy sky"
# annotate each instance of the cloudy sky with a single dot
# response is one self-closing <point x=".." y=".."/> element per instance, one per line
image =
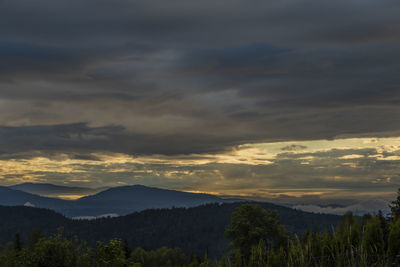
<point x="285" y="98"/>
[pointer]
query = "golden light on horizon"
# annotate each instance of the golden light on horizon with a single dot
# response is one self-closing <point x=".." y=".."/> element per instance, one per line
<point x="212" y="172"/>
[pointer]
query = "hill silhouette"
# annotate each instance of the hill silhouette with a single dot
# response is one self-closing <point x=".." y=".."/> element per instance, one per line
<point x="117" y="200"/>
<point x="192" y="229"/>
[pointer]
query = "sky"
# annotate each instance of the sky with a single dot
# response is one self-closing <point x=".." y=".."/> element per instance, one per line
<point x="285" y="99"/>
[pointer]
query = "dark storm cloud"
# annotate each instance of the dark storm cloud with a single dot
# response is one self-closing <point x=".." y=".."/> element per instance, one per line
<point x="194" y="77"/>
<point x="80" y="137"/>
<point x="26" y="56"/>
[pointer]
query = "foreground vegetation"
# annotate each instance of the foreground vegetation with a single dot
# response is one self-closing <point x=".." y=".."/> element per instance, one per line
<point x="258" y="239"/>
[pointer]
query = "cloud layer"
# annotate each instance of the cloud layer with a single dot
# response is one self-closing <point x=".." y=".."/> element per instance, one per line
<point x="203" y="76"/>
<point x="316" y="172"/>
<point x="84" y="80"/>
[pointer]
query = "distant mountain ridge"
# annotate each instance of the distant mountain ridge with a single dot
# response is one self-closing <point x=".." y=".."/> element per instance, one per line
<point x="117" y="200"/>
<point x="51" y="190"/>
<point x="126" y="199"/>
<point x="13" y="197"/>
<point x="89" y="202"/>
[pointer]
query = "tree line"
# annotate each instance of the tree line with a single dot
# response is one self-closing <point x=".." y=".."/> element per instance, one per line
<point x="191" y="229"/>
<point x="258" y="239"/>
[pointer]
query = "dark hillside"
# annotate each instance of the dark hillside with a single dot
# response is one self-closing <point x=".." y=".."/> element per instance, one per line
<point x="192" y="229"/>
<point x="12" y="197"/>
<point x="127" y="199"/>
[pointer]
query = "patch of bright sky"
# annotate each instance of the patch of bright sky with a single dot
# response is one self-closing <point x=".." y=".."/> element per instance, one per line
<point x="35" y="169"/>
<point x="265" y="153"/>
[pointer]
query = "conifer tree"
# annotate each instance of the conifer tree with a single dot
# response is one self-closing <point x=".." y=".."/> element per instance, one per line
<point x="395" y="206"/>
<point x="34" y="237"/>
<point x="394" y="239"/>
<point x="250" y="223"/>
<point x="17" y="242"/>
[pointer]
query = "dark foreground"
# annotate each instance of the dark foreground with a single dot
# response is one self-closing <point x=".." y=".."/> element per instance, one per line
<point x="257" y="239"/>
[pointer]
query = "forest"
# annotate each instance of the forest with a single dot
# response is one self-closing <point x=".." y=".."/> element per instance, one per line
<point x="256" y="235"/>
<point x="191" y="229"/>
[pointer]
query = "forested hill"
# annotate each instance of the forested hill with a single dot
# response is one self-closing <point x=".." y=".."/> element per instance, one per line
<point x="124" y="200"/>
<point x="192" y="229"/>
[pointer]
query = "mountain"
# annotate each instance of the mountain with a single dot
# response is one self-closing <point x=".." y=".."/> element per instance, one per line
<point x="118" y="200"/>
<point x="50" y="190"/>
<point x="12" y="197"/>
<point x="198" y="229"/>
<point x="126" y="199"/>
